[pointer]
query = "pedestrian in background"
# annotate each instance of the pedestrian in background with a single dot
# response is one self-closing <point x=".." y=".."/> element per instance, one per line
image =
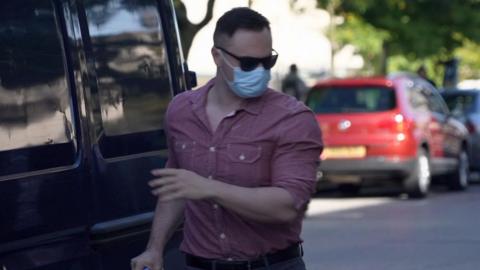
<point x="293" y="85"/>
<point x="422" y="72"/>
<point x="242" y="163"/>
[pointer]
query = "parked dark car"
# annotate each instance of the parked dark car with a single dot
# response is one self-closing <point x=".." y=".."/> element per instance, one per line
<point x="84" y="86"/>
<point x="394" y="129"/>
<point x="465" y="106"/>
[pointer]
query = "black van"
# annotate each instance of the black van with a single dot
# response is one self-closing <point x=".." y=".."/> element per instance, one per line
<point x="84" y="85"/>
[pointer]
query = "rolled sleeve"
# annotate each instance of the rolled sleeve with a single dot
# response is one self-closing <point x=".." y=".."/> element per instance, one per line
<point x="296" y="158"/>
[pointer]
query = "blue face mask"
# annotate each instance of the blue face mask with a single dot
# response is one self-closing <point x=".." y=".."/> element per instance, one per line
<point x="248" y="84"/>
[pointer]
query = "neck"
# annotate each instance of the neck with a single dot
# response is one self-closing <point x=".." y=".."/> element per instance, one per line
<point x="221" y="96"/>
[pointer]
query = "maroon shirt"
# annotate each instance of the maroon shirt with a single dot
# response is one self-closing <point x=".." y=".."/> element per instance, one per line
<point x="272" y="140"/>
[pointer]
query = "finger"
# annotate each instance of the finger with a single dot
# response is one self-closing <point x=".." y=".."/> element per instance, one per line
<point x="135" y="265"/>
<point x="144" y="267"/>
<point x="164" y="172"/>
<point x="162" y="181"/>
<point x="165" y="190"/>
<point x="172" y="196"/>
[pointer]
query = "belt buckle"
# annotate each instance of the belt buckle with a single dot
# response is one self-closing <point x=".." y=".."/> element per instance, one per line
<point x="245" y="265"/>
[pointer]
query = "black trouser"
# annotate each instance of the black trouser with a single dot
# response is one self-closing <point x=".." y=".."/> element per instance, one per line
<point x="287" y="259"/>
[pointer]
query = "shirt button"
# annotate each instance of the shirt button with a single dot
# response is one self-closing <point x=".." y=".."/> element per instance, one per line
<point x="242" y="157"/>
<point x="223" y="236"/>
<point x="215" y="206"/>
<point x="184" y="146"/>
<point x="212" y="149"/>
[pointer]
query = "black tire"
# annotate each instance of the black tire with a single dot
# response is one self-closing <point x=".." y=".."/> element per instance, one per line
<point x="417" y="184"/>
<point x="460" y="178"/>
<point x="349" y="189"/>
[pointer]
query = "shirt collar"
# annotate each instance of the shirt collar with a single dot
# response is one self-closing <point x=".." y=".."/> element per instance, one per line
<point x="199" y="97"/>
<point x="251" y="105"/>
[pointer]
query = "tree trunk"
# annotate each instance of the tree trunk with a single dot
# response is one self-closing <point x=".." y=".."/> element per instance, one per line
<point x="384" y="59"/>
<point x="189" y="30"/>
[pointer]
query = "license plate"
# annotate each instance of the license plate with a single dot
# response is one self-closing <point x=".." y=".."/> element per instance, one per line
<point x="344" y="152"/>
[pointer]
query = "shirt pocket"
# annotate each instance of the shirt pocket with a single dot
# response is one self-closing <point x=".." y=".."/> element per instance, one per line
<point x="184" y="151"/>
<point x="247" y="165"/>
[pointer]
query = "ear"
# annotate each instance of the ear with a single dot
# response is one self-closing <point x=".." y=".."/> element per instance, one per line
<point x="217" y="58"/>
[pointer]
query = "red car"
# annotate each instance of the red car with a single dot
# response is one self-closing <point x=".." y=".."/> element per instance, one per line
<point x="394" y="129"/>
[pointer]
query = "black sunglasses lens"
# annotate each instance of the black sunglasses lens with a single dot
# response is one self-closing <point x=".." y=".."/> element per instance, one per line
<point x="269" y="62"/>
<point x="248" y="64"/>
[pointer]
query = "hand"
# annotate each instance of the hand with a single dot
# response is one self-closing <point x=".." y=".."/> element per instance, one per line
<point x="179" y="184"/>
<point x="149" y="258"/>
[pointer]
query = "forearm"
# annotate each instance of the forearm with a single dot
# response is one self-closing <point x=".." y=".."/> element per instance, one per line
<point x="262" y="204"/>
<point x="168" y="216"/>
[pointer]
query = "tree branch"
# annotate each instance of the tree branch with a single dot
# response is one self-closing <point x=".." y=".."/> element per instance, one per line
<point x="208" y="15"/>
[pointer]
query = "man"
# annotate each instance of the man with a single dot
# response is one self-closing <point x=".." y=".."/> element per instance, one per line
<point x="293" y="85"/>
<point x="245" y="160"/>
<point x="422" y="72"/>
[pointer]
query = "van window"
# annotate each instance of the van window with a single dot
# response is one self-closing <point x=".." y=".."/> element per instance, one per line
<point x="351" y="100"/>
<point x="131" y="63"/>
<point x="35" y="104"/>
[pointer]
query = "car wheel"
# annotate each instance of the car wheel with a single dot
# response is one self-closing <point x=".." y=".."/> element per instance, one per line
<point x="349" y="189"/>
<point x="459" y="179"/>
<point x="418" y="182"/>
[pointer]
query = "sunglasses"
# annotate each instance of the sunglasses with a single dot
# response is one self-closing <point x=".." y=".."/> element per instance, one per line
<point x="250" y="63"/>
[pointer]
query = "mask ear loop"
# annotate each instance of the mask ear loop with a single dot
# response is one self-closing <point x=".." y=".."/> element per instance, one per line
<point x="225" y="76"/>
<point x="221" y="69"/>
<point x="225" y="59"/>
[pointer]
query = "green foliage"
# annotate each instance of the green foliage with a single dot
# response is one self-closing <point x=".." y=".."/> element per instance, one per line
<point x="412" y="31"/>
<point x="421" y="28"/>
<point x="402" y="63"/>
<point x="470" y="60"/>
<point x="367" y="39"/>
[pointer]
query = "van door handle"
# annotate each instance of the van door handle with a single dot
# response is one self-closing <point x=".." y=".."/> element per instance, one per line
<point x="123" y="228"/>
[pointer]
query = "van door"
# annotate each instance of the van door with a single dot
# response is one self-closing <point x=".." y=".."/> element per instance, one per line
<point x="43" y="180"/>
<point x="129" y="84"/>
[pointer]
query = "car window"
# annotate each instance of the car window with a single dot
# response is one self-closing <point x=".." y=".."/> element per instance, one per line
<point x="35" y="102"/>
<point x="436" y="103"/>
<point x="351" y="100"/>
<point x="418" y="99"/>
<point x="460" y="103"/>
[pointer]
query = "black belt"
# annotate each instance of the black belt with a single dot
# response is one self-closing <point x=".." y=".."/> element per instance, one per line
<point x="291" y="252"/>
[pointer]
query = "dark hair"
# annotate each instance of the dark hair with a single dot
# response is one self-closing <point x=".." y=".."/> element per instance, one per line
<point x="239" y="18"/>
<point x="293" y="68"/>
<point x="421" y="69"/>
